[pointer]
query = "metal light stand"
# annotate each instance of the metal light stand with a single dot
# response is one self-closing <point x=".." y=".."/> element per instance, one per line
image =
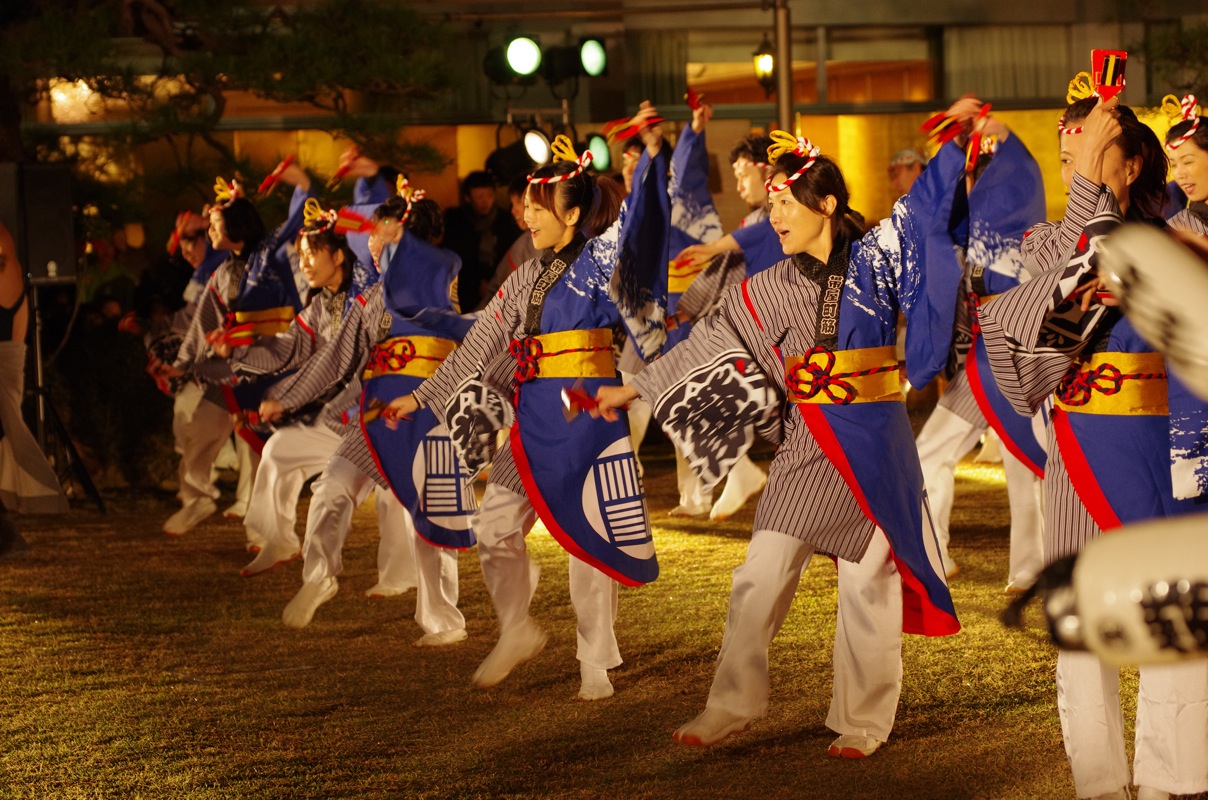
<point x="53" y="438"/>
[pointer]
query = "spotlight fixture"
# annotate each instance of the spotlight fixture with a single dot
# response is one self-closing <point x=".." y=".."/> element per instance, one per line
<point x="593" y="58"/>
<point x="516" y="62"/>
<point x="509" y="162"/>
<point x="523" y="55"/>
<point x="536" y="145"/>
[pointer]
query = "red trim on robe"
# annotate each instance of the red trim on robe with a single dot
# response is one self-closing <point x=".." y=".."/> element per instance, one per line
<point x="983" y="403"/>
<point x="377" y="463"/>
<point x="1081" y="475"/>
<point x="547" y="515"/>
<point x="305" y="327"/>
<point x="919" y="614"/>
<point x="244" y="432"/>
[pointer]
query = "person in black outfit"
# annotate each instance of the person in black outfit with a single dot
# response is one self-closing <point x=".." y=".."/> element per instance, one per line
<point x="480" y="232"/>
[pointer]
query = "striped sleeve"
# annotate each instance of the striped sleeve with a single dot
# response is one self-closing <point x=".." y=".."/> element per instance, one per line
<point x="704" y="293"/>
<point x="287" y="350"/>
<point x="1049" y="244"/>
<point x="1188" y="222"/>
<point x="712" y="335"/>
<point x="1034" y="332"/>
<point x="487" y="338"/>
<point x="338" y="361"/>
<point x="208" y="316"/>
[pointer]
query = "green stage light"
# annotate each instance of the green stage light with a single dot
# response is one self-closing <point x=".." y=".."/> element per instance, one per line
<point x="593" y="58"/>
<point x="524" y="55"/>
<point x="601" y="156"/>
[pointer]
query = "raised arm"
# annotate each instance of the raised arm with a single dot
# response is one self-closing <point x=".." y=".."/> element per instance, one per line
<point x="694" y="218"/>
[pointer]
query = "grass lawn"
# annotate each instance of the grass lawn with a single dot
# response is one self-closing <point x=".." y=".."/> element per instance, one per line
<point x="134" y="665"/>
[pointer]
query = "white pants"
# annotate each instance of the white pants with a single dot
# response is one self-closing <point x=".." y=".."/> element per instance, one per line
<point x="336" y="495"/>
<point x="204" y="436"/>
<point x="249" y="463"/>
<point x="183" y="406"/>
<point x="1172" y="725"/>
<point x="868" y="635"/>
<point x="502" y="522"/>
<point x="292" y="456"/>
<point x="945" y="439"/>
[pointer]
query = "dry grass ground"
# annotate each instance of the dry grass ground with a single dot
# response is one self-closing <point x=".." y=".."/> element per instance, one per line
<point x="138" y="666"/>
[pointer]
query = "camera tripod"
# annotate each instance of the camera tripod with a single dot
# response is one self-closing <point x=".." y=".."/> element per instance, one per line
<point x="52" y="434"/>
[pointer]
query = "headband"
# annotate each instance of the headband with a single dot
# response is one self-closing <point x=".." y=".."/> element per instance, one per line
<point x="784" y="143"/>
<point x="563" y="150"/>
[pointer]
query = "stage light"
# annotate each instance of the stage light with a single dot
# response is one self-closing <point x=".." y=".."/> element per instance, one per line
<point x="593" y="58"/>
<point x="523" y="56"/>
<point x="601" y="156"/>
<point x="510" y="162"/>
<point x="495" y="65"/>
<point x="536" y="144"/>
<point x="765" y="66"/>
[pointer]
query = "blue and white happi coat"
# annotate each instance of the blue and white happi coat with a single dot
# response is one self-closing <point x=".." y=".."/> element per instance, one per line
<point x="579" y="473"/>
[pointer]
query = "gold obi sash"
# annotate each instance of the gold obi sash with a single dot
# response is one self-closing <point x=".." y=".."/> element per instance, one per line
<point x="1121" y="384"/>
<point x="266" y="322"/>
<point x="564" y="354"/>
<point x="679" y="278"/>
<point x="841" y="377"/>
<point x="408" y="355"/>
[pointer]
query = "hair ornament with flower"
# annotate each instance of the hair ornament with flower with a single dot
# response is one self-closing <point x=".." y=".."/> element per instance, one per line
<point x="784" y="143"/>
<point x="226" y="193"/>
<point x="315" y="219"/>
<point x="563" y="150"/>
<point x="1187" y="109"/>
<point x="409" y="193"/>
<point x="1081" y="87"/>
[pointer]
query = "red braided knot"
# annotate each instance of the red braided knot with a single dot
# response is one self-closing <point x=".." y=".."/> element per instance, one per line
<point x="526" y="351"/>
<point x="393" y="357"/>
<point x="1079" y="385"/>
<point x="529" y="351"/>
<point x="808" y="379"/>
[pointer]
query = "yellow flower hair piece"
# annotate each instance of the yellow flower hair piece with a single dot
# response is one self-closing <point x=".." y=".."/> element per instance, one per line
<point x="315" y="219"/>
<point x="563" y="150"/>
<point x="226" y="193"/>
<point x="408" y="193"/>
<point x="1179" y="111"/>
<point x="784" y="143"/>
<point x="1080" y="88"/>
